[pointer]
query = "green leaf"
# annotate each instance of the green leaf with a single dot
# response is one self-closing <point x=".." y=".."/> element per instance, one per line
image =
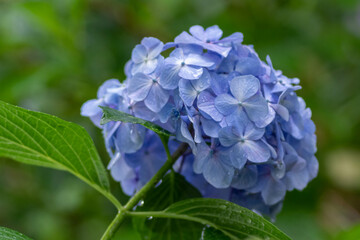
<point x="111" y="114"/>
<point x="44" y="140"/>
<point x="232" y="220"/>
<point x="8" y="234"/>
<point x="173" y="188"/>
<point x="210" y="233"/>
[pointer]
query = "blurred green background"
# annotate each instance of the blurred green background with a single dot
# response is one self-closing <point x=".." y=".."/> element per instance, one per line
<point x="54" y="54"/>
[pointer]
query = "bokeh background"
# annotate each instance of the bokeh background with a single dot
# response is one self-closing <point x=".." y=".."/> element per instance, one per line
<point x="54" y="54"/>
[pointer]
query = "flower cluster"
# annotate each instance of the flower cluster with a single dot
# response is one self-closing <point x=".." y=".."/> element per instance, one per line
<point x="250" y="136"/>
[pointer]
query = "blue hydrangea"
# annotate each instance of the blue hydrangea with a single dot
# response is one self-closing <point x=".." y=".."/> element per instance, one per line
<point x="251" y="138"/>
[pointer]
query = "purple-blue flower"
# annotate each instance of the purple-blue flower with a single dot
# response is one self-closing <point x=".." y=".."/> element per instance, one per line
<point x="209" y="39"/>
<point x="183" y="64"/>
<point x="245" y="142"/>
<point x="250" y="137"/>
<point x="245" y="96"/>
<point x="146" y="55"/>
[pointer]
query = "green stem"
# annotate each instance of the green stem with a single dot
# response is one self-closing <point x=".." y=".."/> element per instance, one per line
<point x="114" y="225"/>
<point x="124" y="211"/>
<point x="156" y="178"/>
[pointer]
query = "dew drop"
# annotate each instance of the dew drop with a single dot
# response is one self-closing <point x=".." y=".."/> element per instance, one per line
<point x="151" y="217"/>
<point x="222" y="206"/>
<point x="266" y="238"/>
<point x="141" y="203"/>
<point x="248" y="220"/>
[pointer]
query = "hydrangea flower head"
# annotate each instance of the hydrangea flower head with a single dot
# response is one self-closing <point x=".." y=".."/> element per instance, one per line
<point x="250" y="136"/>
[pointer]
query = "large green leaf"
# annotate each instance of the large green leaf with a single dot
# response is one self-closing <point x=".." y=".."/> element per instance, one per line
<point x="111" y="114"/>
<point x="210" y="233"/>
<point x="173" y="188"/>
<point x="8" y="234"/>
<point x="232" y="220"/>
<point x="44" y="140"/>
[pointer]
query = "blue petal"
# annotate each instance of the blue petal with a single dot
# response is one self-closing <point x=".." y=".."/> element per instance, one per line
<point x="201" y="158"/>
<point x="139" y="86"/>
<point x="103" y="89"/>
<point x="256" y="107"/>
<point x="235" y="37"/>
<point x="190" y="73"/>
<point x="91" y="107"/>
<point x="249" y="65"/>
<point x="228" y="136"/>
<point x="176" y="55"/>
<point x="165" y="112"/>
<point x="197" y="129"/>
<point x="213" y="33"/>
<point x="157" y="98"/>
<point x="297" y="180"/>
<point x="238" y="156"/>
<point x="153" y="45"/>
<point x="183" y="134"/>
<point x="263" y="122"/>
<point x="146" y="67"/>
<point x="282" y="111"/>
<point x="226" y="104"/>
<point x="223" y="51"/>
<point x="219" y="83"/>
<point x="252" y="132"/>
<point x="198" y="32"/>
<point x="186" y="38"/>
<point x="245" y="178"/>
<point x="218" y="172"/>
<point x="244" y="87"/>
<point x="256" y="151"/>
<point x="313" y="167"/>
<point x="210" y="127"/>
<point x="203" y="82"/>
<point x="206" y="104"/>
<point x="142" y="111"/>
<point x="129" y="137"/>
<point x="187" y="92"/>
<point x="273" y="192"/>
<point x="139" y="54"/>
<point x="120" y="171"/>
<point x="198" y="60"/>
<point x="169" y="77"/>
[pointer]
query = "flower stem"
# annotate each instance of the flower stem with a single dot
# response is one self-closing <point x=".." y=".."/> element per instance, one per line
<point x="114" y="225"/>
<point x="123" y="212"/>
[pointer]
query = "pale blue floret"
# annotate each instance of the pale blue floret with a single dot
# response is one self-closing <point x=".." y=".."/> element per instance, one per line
<point x="245" y="97"/>
<point x="209" y="39"/>
<point x="245" y="142"/>
<point x="146" y="55"/>
<point x="215" y="164"/>
<point x="181" y="65"/>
